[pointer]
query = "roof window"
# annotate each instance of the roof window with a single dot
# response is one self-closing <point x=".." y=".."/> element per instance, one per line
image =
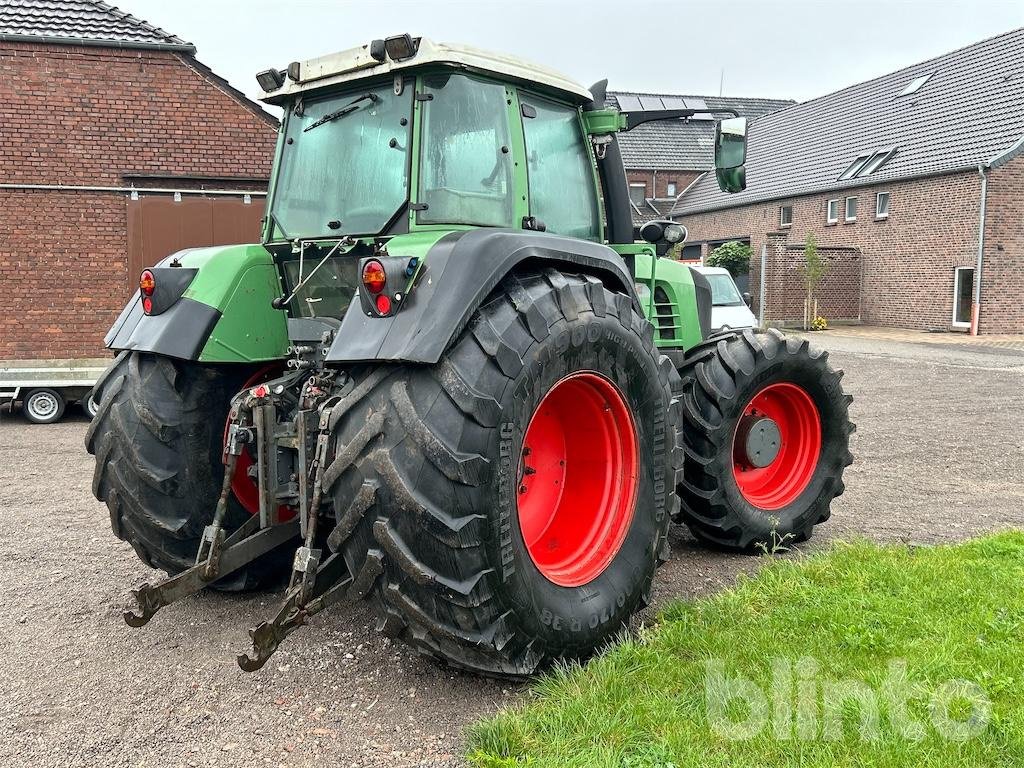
<point x="915" y="85"/>
<point x="867" y="163"/>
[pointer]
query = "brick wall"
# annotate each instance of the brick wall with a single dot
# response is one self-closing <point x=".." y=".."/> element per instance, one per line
<point x="90" y="116"/>
<point x="63" y="270"/>
<point x="838" y="293"/>
<point x="1002" y="276"/>
<point x="908" y="259"/>
<point x="658" y="180"/>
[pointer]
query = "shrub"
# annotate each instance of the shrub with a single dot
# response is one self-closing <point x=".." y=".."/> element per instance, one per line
<point x="733" y="256"/>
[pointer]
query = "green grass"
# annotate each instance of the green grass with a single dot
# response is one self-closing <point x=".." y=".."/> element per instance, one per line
<point x="857" y="612"/>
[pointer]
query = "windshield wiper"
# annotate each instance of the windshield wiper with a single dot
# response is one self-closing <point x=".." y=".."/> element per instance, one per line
<point x="352" y="106"/>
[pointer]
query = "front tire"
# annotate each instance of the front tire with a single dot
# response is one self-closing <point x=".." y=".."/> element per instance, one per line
<point x="767" y="436"/>
<point x="158" y="440"/>
<point x="429" y="467"/>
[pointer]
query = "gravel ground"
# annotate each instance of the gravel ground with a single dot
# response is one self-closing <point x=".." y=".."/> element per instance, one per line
<point x="938" y="450"/>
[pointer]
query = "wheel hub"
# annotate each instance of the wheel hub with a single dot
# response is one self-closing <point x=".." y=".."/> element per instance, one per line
<point x="43" y="406"/>
<point x="578" y="477"/>
<point x="776" y="446"/>
<point x="760" y="440"/>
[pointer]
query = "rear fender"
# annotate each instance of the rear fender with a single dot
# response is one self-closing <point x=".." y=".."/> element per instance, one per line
<point x="223" y="316"/>
<point x="458" y="274"/>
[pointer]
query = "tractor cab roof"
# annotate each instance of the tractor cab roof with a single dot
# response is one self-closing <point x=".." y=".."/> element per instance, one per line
<point x="384" y="57"/>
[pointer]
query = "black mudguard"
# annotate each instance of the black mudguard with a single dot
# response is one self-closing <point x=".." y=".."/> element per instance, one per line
<point x="180" y="331"/>
<point x="461" y="271"/>
<point x="176" y="327"/>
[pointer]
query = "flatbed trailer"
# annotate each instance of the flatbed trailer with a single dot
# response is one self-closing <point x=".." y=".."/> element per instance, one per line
<point x="44" y="388"/>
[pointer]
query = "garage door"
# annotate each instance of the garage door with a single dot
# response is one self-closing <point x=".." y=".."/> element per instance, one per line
<point x="159" y="225"/>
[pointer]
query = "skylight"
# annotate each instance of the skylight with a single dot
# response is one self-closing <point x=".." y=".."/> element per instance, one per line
<point x="876" y="162"/>
<point x="855" y="167"/>
<point x="915" y="85"/>
<point x="867" y="163"/>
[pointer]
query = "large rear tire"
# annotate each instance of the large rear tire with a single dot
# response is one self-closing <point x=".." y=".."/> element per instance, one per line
<point x="158" y="440"/>
<point x="767" y="436"/>
<point x="429" y="472"/>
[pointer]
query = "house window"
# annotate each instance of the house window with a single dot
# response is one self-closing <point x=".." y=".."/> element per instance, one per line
<point x="963" y="296"/>
<point x="851" y="209"/>
<point x="637" y="193"/>
<point x="832" y="216"/>
<point x="786" y="216"/>
<point x="670" y="189"/>
<point x="882" y="205"/>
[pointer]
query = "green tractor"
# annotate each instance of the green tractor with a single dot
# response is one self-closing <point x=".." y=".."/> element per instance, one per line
<point x="452" y="380"/>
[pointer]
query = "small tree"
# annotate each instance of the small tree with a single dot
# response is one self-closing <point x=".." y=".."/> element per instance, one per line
<point x="733" y="256"/>
<point x="814" y="270"/>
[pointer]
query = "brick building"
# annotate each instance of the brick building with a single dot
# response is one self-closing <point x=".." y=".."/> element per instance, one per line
<point x="910" y="183"/>
<point x="663" y="158"/>
<point x="118" y="148"/>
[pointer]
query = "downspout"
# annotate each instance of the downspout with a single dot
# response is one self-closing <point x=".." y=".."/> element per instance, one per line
<point x="976" y="300"/>
<point x="1013" y="151"/>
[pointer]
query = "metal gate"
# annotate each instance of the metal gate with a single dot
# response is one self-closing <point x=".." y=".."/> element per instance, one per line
<point x="159" y="225"/>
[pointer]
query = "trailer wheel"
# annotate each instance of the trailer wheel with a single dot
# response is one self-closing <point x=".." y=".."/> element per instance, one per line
<point x="43" y="406"/>
<point x="90" y="405"/>
<point x="158" y="440"/>
<point x="767" y="435"/>
<point x="508" y="506"/>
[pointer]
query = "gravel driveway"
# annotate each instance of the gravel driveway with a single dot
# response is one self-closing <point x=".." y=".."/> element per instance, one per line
<point x="939" y="458"/>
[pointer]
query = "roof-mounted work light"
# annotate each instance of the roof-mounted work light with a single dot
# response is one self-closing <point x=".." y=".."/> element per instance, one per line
<point x="400" y="47"/>
<point x="270" y="79"/>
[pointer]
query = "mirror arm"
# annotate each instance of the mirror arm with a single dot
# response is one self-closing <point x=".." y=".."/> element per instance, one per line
<point x="633" y="119"/>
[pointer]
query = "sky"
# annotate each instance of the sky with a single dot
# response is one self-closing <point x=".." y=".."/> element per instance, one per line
<point x="796" y="50"/>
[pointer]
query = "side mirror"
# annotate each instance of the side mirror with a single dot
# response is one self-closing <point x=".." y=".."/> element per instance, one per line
<point x="748" y="299"/>
<point x="731" y="154"/>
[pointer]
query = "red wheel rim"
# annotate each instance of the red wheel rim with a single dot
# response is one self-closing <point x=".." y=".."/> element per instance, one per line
<point x="578" y="479"/>
<point x="782" y="481"/>
<point x="243" y="486"/>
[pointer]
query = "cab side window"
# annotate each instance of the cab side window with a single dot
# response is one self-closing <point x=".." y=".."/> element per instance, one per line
<point x="466" y="162"/>
<point x="562" y="190"/>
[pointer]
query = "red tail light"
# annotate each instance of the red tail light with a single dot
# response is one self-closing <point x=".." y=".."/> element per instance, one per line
<point x="147" y="283"/>
<point x="383" y="304"/>
<point x="374" y="277"/>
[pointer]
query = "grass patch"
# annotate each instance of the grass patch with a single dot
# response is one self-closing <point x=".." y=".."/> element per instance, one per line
<point x="860" y="656"/>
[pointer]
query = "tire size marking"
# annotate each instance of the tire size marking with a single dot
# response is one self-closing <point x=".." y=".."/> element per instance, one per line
<point x="505" y="493"/>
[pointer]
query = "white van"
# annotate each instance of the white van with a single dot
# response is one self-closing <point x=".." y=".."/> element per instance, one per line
<point x="729" y="308"/>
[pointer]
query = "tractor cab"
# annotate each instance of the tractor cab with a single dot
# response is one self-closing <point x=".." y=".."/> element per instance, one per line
<point x="441" y="137"/>
<point x="410" y="139"/>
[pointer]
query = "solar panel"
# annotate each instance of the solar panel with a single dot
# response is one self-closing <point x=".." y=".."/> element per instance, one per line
<point x="650" y="103"/>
